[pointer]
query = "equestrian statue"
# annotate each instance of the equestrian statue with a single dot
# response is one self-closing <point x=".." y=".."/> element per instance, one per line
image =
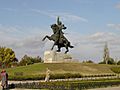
<point x="58" y="37"/>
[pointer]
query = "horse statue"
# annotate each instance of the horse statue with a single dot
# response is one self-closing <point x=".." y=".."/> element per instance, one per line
<point x="58" y="37"/>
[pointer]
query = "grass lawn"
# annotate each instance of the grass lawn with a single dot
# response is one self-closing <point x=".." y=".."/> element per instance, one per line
<point x="60" y="68"/>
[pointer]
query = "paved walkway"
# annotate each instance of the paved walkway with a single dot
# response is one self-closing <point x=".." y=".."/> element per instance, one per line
<point x="30" y="81"/>
<point x="70" y="79"/>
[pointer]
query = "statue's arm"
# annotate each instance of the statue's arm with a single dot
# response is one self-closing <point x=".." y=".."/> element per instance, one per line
<point x="63" y="27"/>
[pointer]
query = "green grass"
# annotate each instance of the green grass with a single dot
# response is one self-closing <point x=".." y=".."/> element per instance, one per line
<point x="36" y="70"/>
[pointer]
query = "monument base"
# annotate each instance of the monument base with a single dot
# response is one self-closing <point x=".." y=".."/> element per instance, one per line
<point x="56" y="57"/>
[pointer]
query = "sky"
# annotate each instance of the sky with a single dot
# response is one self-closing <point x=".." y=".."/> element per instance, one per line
<point x="90" y="23"/>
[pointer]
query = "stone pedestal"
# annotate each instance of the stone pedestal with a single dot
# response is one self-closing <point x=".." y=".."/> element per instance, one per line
<point x="56" y="57"/>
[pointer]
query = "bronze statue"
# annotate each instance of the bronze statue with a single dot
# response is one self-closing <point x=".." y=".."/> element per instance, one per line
<point x="58" y="36"/>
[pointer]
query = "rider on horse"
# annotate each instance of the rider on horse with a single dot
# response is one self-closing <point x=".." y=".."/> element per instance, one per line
<point x="58" y="36"/>
<point x="61" y="26"/>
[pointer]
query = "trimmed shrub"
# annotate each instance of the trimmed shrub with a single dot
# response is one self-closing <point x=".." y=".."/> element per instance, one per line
<point x="69" y="85"/>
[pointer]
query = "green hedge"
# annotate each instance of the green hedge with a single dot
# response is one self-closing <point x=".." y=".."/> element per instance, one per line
<point x="30" y="77"/>
<point x="55" y="76"/>
<point x="42" y="76"/>
<point x="71" y="85"/>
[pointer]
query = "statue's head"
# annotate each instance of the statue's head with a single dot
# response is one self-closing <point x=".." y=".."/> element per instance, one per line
<point x="53" y="25"/>
<point x="59" y="23"/>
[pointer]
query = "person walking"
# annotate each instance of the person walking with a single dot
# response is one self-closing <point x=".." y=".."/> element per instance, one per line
<point x="47" y="75"/>
<point x="4" y="80"/>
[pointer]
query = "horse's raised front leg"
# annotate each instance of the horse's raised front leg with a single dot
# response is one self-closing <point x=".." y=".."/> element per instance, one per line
<point x="46" y="37"/>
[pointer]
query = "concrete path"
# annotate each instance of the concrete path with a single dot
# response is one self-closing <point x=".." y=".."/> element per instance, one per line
<point x="70" y="79"/>
<point x="93" y="78"/>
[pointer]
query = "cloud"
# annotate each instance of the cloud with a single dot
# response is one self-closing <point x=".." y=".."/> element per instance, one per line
<point x="94" y="39"/>
<point x="103" y="36"/>
<point x="6" y="34"/>
<point x="9" y="9"/>
<point x="65" y="16"/>
<point x="31" y="42"/>
<point x="9" y="29"/>
<point x="114" y="26"/>
<point x="92" y="46"/>
<point x="85" y="46"/>
<point x="20" y="41"/>
<point x="117" y="5"/>
<point x="100" y="38"/>
<point x="32" y="46"/>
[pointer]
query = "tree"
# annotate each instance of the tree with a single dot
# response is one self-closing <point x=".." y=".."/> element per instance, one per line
<point x="118" y="63"/>
<point x="37" y="59"/>
<point x="110" y="61"/>
<point x="7" y="56"/>
<point x="88" y="61"/>
<point x="24" y="60"/>
<point x="27" y="60"/>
